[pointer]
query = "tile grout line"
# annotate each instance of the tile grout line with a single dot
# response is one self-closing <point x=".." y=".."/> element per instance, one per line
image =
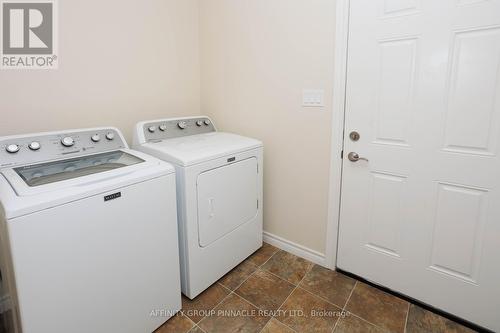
<point x="321" y="298"/>
<point x="265" y="270"/>
<point x="286" y="299"/>
<point x="201" y="329"/>
<point x="270" y="317"/>
<point x="345" y="305"/>
<point x="248" y="277"/>
<point x="223" y="286"/>
<point x="257" y="268"/>
<point x="407" y="315"/>
<point x="232" y="292"/>
<point x="245" y="280"/>
<point x="358" y="316"/>
<point x="243" y="298"/>
<point x="283" y="279"/>
<point x="366" y="321"/>
<point x="279" y="323"/>
<point x="349" y="298"/>
<point x="216" y="305"/>
<point x="194" y="324"/>
<point x="279" y="277"/>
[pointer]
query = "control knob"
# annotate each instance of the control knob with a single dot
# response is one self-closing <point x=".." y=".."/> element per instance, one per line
<point x="12" y="148"/>
<point x="68" y="141"/>
<point x="182" y="125"/>
<point x="151" y="129"/>
<point x="35" y="145"/>
<point x="163" y="128"/>
<point x="110" y="136"/>
<point x="207" y="122"/>
<point x="199" y="123"/>
<point x="96" y="138"/>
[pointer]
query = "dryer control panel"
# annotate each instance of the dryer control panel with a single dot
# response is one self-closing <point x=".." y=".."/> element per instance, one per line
<point x="41" y="147"/>
<point x="158" y="130"/>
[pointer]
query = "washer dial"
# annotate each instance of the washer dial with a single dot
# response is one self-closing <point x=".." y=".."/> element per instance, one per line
<point x="12" y="148"/>
<point x="35" y="145"/>
<point x="182" y="125"/>
<point x="67" y="141"/>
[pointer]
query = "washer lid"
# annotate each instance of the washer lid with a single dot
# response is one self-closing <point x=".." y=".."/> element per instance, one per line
<point x="56" y="171"/>
<point x="78" y="173"/>
<point x="18" y="198"/>
<point x="199" y="148"/>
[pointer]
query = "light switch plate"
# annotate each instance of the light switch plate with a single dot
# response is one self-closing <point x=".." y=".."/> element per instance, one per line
<point x="313" y="97"/>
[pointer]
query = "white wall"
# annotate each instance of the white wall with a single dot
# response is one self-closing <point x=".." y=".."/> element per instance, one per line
<point x="256" y="57"/>
<point x="121" y="61"/>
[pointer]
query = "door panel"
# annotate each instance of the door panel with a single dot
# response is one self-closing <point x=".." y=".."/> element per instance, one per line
<point x="475" y="59"/>
<point x="397" y="79"/>
<point x="385" y="213"/>
<point x="457" y="233"/>
<point x="421" y="216"/>
<point x="227" y="198"/>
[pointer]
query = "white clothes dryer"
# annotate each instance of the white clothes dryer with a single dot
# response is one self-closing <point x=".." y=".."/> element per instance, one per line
<point x="219" y="194"/>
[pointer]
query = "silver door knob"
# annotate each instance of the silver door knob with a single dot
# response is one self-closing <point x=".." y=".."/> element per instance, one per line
<point x="354" y="157"/>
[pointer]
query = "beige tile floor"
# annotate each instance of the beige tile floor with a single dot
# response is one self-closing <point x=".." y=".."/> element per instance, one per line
<point x="276" y="292"/>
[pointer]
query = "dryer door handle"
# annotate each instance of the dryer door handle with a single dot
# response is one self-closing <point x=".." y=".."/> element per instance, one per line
<point x="211" y="207"/>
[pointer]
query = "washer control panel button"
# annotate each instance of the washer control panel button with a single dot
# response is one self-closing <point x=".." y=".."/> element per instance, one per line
<point x="110" y="136"/>
<point x="13" y="148"/>
<point x="35" y="145"/>
<point x="96" y="138"/>
<point x="67" y="141"/>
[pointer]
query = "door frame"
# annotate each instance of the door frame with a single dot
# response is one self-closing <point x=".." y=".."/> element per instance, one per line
<point x="338" y="127"/>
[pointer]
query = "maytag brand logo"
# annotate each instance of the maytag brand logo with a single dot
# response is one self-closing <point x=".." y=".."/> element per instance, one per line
<point x="113" y="196"/>
<point x="29" y="34"/>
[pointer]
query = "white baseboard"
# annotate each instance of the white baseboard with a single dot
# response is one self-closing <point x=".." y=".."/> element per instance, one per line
<point x="294" y="248"/>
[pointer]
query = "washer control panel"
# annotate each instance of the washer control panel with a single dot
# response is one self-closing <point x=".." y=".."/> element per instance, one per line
<point x="19" y="150"/>
<point x="173" y="128"/>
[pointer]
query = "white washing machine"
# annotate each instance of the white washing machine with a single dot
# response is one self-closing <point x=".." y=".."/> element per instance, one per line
<point x="219" y="194"/>
<point x="88" y="234"/>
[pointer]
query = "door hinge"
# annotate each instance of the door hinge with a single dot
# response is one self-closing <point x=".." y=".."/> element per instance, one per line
<point x="342" y="154"/>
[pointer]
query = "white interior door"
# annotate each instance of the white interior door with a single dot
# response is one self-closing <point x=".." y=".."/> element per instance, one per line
<point x="422" y="216"/>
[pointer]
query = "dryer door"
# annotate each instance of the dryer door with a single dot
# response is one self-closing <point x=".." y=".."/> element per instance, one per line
<point x="227" y="198"/>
